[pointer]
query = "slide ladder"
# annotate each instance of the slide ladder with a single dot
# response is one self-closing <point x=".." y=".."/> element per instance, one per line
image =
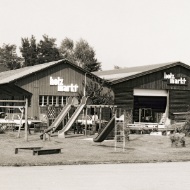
<point x="60" y="117"/>
<point x="68" y="125"/>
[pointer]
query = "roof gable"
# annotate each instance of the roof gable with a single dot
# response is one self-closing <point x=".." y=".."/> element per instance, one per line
<point x="13" y="75"/>
<point x="120" y="75"/>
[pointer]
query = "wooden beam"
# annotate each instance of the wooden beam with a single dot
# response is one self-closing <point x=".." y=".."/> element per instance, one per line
<point x="23" y="101"/>
<point x="101" y="106"/>
<point x="11" y="106"/>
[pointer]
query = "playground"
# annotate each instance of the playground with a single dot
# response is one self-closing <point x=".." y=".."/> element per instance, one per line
<point x="102" y="141"/>
<point x="140" y="148"/>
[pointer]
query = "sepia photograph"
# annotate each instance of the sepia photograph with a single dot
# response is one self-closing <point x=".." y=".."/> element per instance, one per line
<point x="95" y="95"/>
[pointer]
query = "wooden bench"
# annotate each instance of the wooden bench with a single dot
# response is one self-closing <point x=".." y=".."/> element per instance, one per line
<point x="27" y="148"/>
<point x="47" y="151"/>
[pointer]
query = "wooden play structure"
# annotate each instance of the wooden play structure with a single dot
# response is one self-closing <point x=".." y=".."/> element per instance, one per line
<point x="23" y="109"/>
<point x="104" y="116"/>
<point x="82" y="108"/>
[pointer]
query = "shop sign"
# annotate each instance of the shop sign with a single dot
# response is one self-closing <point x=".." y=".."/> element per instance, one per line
<point x="61" y="87"/>
<point x="173" y="80"/>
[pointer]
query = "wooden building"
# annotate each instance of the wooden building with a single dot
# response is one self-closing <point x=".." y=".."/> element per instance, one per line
<point x="149" y="93"/>
<point x="152" y="93"/>
<point x="48" y="85"/>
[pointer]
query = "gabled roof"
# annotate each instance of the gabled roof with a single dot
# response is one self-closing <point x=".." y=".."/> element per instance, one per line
<point x="119" y="75"/>
<point x="13" y="75"/>
<point x="11" y="89"/>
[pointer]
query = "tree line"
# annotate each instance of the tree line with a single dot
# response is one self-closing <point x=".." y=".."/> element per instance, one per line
<point x="46" y="50"/>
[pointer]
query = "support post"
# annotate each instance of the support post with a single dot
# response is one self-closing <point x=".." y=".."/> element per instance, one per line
<point x="22" y="112"/>
<point x="100" y="118"/>
<point x="86" y="121"/>
<point x="84" y="84"/>
<point x="26" y="120"/>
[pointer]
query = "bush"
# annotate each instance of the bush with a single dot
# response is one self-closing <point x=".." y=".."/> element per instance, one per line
<point x="177" y="140"/>
<point x="2" y="131"/>
<point x="185" y="129"/>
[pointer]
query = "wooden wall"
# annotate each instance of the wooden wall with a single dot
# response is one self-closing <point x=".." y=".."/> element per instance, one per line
<point x="179" y="102"/>
<point x="39" y="83"/>
<point x="179" y="94"/>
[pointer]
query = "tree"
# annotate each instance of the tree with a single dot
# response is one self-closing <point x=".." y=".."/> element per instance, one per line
<point x="81" y="54"/>
<point x="98" y="93"/>
<point x="29" y="51"/>
<point x="9" y="57"/>
<point x="67" y="49"/>
<point x="47" y="50"/>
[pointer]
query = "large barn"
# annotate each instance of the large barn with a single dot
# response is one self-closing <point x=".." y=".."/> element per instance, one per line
<point x="152" y="93"/>
<point x="47" y="86"/>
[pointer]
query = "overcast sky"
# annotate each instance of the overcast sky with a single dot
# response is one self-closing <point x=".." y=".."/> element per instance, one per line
<point x="122" y="32"/>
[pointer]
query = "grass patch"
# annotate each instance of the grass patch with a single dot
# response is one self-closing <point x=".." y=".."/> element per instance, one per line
<point x="82" y="150"/>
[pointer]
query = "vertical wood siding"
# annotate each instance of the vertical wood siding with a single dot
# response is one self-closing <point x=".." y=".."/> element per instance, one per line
<point x="39" y="83"/>
<point x="178" y="100"/>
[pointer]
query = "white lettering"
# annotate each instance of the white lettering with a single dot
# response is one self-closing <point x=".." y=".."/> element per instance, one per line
<point x="55" y="82"/>
<point x="61" y="87"/>
<point x="168" y="76"/>
<point x="172" y="80"/>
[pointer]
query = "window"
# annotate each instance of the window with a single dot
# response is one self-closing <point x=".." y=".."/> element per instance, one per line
<point x="62" y="100"/>
<point x="40" y="101"/>
<point x="52" y="100"/>
<point x="45" y="100"/>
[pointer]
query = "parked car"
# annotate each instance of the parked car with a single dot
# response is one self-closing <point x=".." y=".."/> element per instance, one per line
<point x="16" y="119"/>
<point x="82" y="119"/>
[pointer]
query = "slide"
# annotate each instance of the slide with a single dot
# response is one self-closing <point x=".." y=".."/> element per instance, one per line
<point x="105" y="132"/>
<point x="60" y="117"/>
<point x="73" y="118"/>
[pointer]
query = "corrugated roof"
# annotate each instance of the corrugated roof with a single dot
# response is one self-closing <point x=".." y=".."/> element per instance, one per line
<point x="9" y="76"/>
<point x="118" y="75"/>
<point x="12" y="75"/>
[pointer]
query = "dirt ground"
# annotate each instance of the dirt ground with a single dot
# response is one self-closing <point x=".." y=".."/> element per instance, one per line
<point x="82" y="150"/>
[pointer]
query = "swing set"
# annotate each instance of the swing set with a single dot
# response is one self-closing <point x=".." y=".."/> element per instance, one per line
<point x="23" y="109"/>
<point x="11" y="97"/>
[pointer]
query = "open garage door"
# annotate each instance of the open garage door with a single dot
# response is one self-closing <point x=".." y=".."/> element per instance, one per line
<point x="149" y="105"/>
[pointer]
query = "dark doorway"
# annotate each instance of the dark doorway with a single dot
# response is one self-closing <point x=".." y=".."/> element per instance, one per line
<point x="151" y="106"/>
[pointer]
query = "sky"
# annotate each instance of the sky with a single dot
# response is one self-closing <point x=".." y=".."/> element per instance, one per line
<point x="123" y="33"/>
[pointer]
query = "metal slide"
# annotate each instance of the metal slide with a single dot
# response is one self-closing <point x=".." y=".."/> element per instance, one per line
<point x="73" y="118"/>
<point x="105" y="132"/>
<point x="60" y="117"/>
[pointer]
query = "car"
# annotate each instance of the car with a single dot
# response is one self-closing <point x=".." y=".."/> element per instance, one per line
<point x="16" y="119"/>
<point x="82" y="119"/>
